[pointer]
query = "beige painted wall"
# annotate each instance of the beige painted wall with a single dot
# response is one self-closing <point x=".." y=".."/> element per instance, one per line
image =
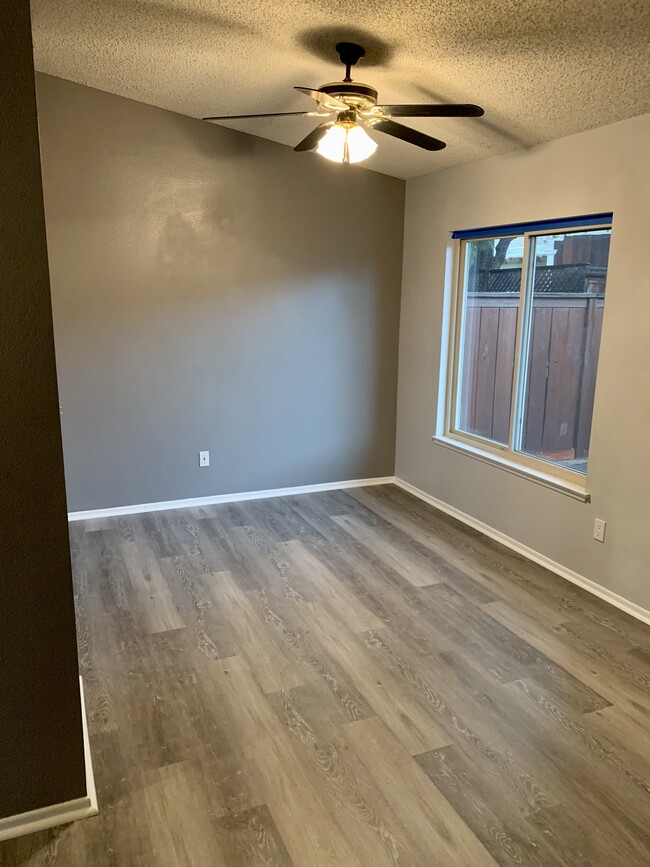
<point x="607" y="169"/>
<point x="213" y="290"/>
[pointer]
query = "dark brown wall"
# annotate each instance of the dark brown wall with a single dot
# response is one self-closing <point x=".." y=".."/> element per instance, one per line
<point x="41" y="747"/>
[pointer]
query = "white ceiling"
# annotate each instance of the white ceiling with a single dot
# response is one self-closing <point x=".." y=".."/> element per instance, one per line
<point x="542" y="69"/>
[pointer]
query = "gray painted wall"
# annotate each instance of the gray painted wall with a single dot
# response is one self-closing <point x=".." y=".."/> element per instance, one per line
<point x="213" y="290"/>
<point x="603" y="170"/>
<point x="41" y="748"/>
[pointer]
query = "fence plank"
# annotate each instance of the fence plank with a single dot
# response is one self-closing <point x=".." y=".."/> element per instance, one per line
<point x="486" y="371"/>
<point x="471" y="337"/>
<point x="594" y="326"/>
<point x="539" y="351"/>
<point x="505" y="361"/>
<point x="559" y="362"/>
<point x="569" y="396"/>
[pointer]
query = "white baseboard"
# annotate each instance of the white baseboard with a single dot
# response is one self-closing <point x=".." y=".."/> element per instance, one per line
<point x="225" y="498"/>
<point x="574" y="577"/>
<point x="591" y="586"/>
<point x="57" y="814"/>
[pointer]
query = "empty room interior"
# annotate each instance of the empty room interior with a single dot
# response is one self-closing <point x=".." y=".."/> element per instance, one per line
<point x="324" y="524"/>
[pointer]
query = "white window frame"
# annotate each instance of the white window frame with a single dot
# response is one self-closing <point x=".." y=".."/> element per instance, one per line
<point x="504" y="455"/>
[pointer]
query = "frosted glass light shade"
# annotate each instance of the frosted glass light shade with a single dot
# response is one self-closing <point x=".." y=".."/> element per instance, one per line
<point x="346" y="143"/>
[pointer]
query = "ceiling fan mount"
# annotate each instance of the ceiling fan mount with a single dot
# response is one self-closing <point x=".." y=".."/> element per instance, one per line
<point x="350" y="54"/>
<point x="349" y="108"/>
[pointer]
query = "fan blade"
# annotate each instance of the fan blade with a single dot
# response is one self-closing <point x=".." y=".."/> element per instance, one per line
<point x="272" y="114"/>
<point x="310" y="141"/>
<point x="465" y="110"/>
<point x="324" y="99"/>
<point x="413" y="136"/>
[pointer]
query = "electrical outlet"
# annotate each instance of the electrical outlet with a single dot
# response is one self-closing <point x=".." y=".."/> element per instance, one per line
<point x="599" y="530"/>
<point x="204" y="459"/>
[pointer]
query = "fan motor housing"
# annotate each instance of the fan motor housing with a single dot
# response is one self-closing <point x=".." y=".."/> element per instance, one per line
<point x="361" y="96"/>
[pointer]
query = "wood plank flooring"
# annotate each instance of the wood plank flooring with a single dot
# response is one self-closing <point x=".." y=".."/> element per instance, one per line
<point x="348" y="678"/>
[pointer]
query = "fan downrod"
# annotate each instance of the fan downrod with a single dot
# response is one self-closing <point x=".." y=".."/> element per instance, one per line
<point x="350" y="54"/>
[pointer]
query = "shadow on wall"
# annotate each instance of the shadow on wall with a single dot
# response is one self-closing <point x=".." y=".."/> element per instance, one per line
<point x="230" y="144"/>
<point x="211" y="287"/>
<point x="217" y="226"/>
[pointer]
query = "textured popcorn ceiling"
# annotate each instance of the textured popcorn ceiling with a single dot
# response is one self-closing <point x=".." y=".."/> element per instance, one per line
<point x="542" y="69"/>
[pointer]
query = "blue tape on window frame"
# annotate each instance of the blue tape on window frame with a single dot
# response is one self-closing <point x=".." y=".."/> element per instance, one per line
<point x="535" y="226"/>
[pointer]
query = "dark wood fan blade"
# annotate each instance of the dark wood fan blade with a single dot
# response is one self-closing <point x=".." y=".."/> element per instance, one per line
<point x="413" y="136"/>
<point x="465" y="110"/>
<point x="324" y="99"/>
<point x="272" y="114"/>
<point x="310" y="141"/>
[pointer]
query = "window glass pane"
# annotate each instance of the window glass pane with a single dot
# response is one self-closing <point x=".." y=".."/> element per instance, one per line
<point x="569" y="276"/>
<point x="488" y="334"/>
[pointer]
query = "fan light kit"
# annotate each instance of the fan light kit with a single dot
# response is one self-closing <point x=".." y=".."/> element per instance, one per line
<point x="346" y="142"/>
<point x="350" y="108"/>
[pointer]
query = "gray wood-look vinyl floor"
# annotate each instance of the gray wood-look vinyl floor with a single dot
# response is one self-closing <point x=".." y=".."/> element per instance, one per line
<point x="348" y="678"/>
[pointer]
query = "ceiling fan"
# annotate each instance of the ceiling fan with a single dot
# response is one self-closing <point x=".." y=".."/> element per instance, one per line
<point x="351" y="107"/>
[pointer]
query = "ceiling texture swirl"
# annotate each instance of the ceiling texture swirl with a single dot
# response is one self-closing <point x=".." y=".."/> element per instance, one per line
<point x="541" y="70"/>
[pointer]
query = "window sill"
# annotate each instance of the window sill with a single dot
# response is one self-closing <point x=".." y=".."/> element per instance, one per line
<point x="547" y="480"/>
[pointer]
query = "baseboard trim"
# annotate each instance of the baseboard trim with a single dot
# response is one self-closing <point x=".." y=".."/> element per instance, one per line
<point x="621" y="602"/>
<point x="57" y="814"/>
<point x="587" y="584"/>
<point x="225" y="498"/>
